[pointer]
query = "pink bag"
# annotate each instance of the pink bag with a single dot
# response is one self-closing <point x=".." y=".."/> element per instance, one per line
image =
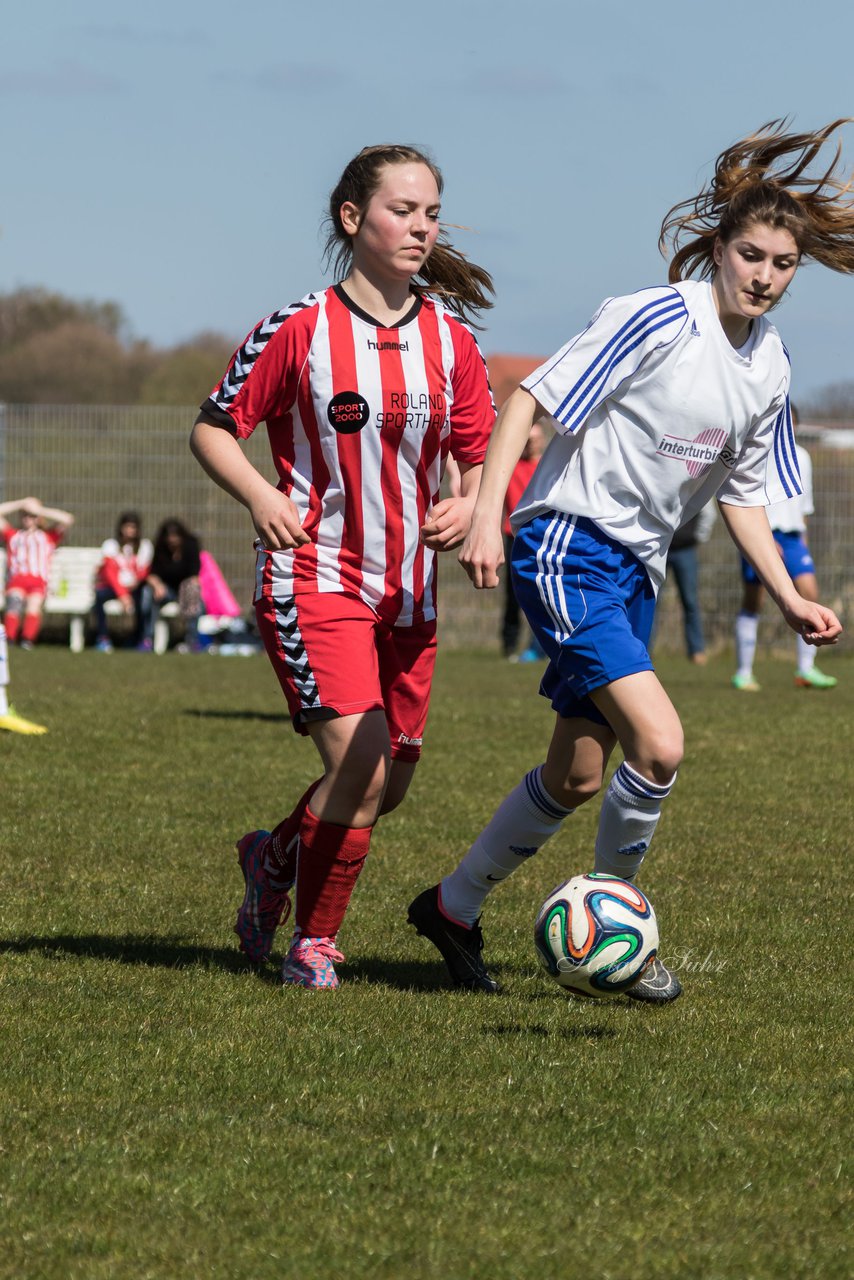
<point x="216" y="593"/>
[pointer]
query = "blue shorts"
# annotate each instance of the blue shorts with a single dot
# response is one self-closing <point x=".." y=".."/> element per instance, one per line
<point x="796" y="556"/>
<point x="590" y="604"/>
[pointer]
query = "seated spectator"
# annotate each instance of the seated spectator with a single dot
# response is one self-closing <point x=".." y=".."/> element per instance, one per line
<point x="121" y="576"/>
<point x="174" y="576"/>
<point x="29" y="552"/>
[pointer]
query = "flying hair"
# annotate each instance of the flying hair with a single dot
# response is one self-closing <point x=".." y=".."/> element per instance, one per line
<point x="447" y="272"/>
<point x="765" y="179"/>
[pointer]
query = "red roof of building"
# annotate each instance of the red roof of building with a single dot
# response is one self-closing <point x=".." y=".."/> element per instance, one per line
<point x="506" y="372"/>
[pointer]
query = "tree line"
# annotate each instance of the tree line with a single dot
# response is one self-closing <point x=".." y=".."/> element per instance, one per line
<point x="58" y="350"/>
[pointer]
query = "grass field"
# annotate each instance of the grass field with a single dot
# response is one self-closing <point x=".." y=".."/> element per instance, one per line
<point x="167" y="1113"/>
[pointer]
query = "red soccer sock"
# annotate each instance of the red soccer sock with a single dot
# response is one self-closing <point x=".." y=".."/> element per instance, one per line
<point x="330" y="860"/>
<point x="280" y="858"/>
<point x="31" y="628"/>
<point x="12" y="624"/>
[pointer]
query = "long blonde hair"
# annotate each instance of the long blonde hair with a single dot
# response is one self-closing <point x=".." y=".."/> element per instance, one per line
<point x="764" y="179"/>
<point x="447" y="272"/>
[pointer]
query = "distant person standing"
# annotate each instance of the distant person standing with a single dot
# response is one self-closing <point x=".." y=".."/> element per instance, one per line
<point x="30" y="550"/>
<point x="511" y="619"/>
<point x="683" y="563"/>
<point x="789" y="526"/>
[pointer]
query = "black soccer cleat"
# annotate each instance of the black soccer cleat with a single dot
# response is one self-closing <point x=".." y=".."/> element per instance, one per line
<point x="460" y="947"/>
<point x="656" y="986"/>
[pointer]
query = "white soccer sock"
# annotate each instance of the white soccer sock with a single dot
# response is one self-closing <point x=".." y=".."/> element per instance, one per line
<point x="630" y="813"/>
<point x="520" y="826"/>
<point x="746" y="628"/>
<point x="806" y="655"/>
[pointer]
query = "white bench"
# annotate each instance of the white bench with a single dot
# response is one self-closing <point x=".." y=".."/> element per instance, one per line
<point x="71" y="591"/>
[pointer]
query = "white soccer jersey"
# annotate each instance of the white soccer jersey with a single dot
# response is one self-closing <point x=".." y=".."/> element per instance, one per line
<point x="789" y="516"/>
<point x="659" y="414"/>
<point x="360" y="420"/>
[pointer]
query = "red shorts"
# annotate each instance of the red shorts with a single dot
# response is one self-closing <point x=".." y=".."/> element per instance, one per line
<point x="28" y="584"/>
<point x="334" y="657"/>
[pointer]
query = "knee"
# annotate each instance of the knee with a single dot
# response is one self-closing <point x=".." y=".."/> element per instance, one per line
<point x="361" y="787"/>
<point x="660" y="755"/>
<point x="573" y="788"/>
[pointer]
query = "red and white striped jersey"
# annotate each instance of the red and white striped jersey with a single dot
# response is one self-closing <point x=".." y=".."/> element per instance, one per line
<point x="360" y="420"/>
<point x="124" y="567"/>
<point x="30" y="551"/>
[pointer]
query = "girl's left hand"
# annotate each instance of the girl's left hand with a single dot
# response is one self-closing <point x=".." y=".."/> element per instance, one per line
<point x="447" y="524"/>
<point x="817" y="624"/>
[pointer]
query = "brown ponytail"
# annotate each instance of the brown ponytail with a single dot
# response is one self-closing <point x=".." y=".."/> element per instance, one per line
<point x="764" y="179"/>
<point x="447" y="272"/>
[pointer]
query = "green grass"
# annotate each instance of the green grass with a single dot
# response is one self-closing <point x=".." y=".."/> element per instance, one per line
<point x="166" y="1113"/>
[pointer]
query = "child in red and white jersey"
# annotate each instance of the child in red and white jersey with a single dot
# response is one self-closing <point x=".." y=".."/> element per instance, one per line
<point x="122" y="574"/>
<point x="364" y="387"/>
<point x="29" y="551"/>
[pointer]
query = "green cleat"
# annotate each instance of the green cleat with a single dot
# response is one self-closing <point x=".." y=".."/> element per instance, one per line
<point x="814" y="679"/>
<point x="745" y="684"/>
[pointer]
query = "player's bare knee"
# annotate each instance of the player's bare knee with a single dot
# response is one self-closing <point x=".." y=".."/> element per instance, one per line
<point x="574" y="788"/>
<point x="659" y="755"/>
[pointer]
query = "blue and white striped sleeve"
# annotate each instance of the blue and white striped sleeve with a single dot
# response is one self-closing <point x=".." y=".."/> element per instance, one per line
<point x="767" y="470"/>
<point x="621" y="336"/>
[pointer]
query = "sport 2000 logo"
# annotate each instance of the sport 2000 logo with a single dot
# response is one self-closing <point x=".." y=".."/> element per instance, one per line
<point x="348" y="412"/>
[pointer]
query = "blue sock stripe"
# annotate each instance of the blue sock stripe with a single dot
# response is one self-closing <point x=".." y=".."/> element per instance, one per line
<point x="541" y="798"/>
<point x="642" y="787"/>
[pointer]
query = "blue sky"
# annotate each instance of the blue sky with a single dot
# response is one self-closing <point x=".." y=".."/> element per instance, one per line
<point x="176" y="157"/>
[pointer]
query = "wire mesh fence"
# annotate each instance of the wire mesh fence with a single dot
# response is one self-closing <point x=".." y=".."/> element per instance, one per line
<point x="99" y="461"/>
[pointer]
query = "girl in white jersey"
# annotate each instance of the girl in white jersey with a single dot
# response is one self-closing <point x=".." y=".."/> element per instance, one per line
<point x="788" y="521"/>
<point x="669" y="397"/>
<point x="364" y="387"/>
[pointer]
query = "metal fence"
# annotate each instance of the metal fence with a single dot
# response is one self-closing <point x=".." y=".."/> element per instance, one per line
<point x="97" y="461"/>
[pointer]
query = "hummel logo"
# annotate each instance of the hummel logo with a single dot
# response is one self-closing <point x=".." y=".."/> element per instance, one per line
<point x="695" y="332"/>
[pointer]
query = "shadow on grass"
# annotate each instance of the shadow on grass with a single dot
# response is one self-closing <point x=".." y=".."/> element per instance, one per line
<point x="402" y="975"/>
<point x="170" y="953"/>
<point x="161" y="953"/>
<point x="272" y="716"/>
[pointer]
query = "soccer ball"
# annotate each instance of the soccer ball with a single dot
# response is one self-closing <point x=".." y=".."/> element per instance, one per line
<point x="596" y="934"/>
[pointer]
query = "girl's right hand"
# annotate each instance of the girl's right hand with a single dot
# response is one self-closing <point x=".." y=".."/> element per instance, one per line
<point x="277" y="523"/>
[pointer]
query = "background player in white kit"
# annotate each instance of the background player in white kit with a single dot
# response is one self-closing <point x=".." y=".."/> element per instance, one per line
<point x="789" y="527"/>
<point x="365" y="387"/>
<point x="670" y="397"/>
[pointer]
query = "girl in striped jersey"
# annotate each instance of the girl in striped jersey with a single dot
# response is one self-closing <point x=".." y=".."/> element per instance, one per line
<point x="365" y="388"/>
<point x="30" y="552"/>
<point x="669" y="397"/>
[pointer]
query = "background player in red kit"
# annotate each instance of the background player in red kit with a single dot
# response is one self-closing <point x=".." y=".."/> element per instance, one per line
<point x="30" y="550"/>
<point x="365" y="387"/>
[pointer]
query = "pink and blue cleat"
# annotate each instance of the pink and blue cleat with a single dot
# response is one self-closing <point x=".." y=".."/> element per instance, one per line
<point x="311" y="963"/>
<point x="265" y="904"/>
